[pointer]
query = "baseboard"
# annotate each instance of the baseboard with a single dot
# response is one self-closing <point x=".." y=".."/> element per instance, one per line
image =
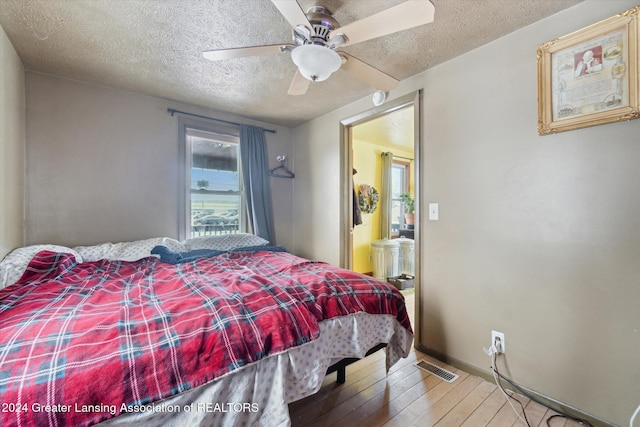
<point x="548" y="401"/>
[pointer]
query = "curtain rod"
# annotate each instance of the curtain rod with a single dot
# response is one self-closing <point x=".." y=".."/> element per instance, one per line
<point x="404" y="158"/>
<point x="397" y="157"/>
<point x="172" y="111"/>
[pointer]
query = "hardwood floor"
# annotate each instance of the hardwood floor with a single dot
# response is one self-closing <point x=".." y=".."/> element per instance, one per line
<point x="409" y="396"/>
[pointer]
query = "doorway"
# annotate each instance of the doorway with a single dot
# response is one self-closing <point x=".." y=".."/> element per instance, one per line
<point x="393" y="128"/>
<point x="383" y="164"/>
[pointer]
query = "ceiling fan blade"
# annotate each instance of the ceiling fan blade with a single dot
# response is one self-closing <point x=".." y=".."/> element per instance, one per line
<point x="293" y="13"/>
<point x="240" y="52"/>
<point x="406" y="15"/>
<point x="299" y="84"/>
<point x="369" y="74"/>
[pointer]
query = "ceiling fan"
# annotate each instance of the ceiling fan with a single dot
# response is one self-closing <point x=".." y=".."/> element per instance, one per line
<point x="317" y="36"/>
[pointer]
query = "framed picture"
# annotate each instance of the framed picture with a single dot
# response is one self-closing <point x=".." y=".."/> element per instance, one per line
<point x="590" y="77"/>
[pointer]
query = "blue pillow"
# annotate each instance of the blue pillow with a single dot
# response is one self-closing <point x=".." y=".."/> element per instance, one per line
<point x="171" y="257"/>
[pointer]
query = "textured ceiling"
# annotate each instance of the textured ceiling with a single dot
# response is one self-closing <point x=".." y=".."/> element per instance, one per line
<point x="393" y="130"/>
<point x="155" y="47"/>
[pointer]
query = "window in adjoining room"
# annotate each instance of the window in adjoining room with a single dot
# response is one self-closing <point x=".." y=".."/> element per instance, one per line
<point x="399" y="185"/>
<point x="214" y="183"/>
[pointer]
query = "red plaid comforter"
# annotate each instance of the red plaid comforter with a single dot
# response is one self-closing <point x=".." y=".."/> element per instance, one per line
<point x="80" y="343"/>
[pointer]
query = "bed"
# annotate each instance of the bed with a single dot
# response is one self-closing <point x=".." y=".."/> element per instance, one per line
<point x="218" y="331"/>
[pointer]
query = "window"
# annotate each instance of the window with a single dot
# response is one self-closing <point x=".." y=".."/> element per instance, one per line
<point x="213" y="193"/>
<point x="399" y="185"/>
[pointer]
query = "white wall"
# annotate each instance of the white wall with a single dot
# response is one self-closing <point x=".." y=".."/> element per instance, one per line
<point x="12" y="146"/>
<point x="538" y="237"/>
<point x="316" y="209"/>
<point x="102" y="164"/>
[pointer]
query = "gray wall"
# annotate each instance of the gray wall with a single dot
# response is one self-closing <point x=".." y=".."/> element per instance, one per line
<point x="538" y="237"/>
<point x="102" y="164"/>
<point x="12" y="146"/>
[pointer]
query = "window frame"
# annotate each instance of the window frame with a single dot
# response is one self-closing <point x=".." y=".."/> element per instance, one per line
<point x="184" y="172"/>
<point x="406" y="166"/>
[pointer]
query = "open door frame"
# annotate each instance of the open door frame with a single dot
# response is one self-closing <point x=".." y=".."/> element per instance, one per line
<point x="346" y="170"/>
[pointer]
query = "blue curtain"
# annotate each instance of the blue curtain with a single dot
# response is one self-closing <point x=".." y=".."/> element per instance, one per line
<point x="255" y="175"/>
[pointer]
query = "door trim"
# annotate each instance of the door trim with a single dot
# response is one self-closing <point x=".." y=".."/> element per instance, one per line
<point x="346" y="180"/>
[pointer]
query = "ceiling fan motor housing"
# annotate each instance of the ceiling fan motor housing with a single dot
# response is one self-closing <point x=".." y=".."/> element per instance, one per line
<point x="323" y="23"/>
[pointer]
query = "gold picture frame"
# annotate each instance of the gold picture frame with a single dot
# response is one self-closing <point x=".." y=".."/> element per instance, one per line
<point x="590" y="77"/>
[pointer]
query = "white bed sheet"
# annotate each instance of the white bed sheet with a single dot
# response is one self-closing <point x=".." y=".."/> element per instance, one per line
<point x="259" y="393"/>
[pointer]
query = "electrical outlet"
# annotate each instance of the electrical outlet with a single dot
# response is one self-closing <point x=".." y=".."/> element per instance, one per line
<point x="498" y="336"/>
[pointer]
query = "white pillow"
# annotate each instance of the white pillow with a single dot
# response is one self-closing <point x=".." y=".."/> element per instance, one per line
<point x="13" y="265"/>
<point x="225" y="242"/>
<point x="128" y="251"/>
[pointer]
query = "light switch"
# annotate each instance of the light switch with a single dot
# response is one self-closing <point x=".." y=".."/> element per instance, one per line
<point x="433" y="212"/>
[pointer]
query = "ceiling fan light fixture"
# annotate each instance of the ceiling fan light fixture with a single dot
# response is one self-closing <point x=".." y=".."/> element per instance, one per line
<point x="316" y="62"/>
